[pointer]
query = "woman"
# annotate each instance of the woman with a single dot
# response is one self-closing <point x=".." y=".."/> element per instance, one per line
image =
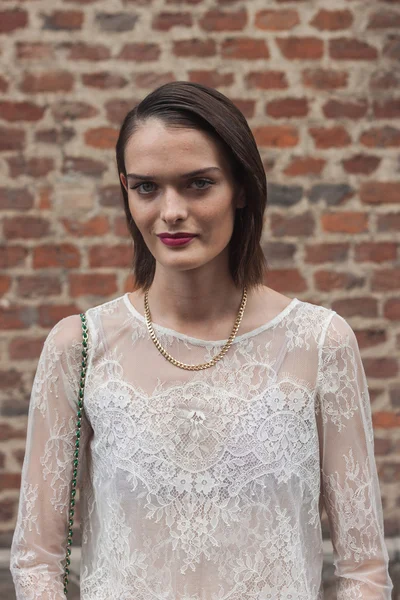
<point x="202" y="483"/>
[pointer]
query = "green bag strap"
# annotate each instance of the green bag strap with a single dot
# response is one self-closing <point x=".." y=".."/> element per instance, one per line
<point x="76" y="452"/>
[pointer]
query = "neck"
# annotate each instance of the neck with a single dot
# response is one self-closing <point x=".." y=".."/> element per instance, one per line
<point x="193" y="300"/>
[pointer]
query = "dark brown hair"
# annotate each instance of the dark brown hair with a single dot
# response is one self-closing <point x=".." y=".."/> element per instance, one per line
<point x="194" y="106"/>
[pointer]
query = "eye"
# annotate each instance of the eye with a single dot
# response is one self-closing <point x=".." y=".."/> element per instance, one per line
<point x="148" y="191"/>
<point x="206" y="181"/>
<point x="139" y="185"/>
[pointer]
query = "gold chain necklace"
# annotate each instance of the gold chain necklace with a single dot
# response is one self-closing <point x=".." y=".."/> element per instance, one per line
<point x="216" y="358"/>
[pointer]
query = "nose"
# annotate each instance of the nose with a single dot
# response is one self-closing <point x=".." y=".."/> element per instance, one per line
<point x="173" y="207"/>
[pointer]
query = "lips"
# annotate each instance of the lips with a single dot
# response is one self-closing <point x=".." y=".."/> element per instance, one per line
<point x="174" y="236"/>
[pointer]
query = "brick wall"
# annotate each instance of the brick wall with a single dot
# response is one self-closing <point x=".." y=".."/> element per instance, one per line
<point x="319" y="83"/>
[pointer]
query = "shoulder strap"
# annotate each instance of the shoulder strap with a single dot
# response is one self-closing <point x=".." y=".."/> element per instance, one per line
<point x="76" y="451"/>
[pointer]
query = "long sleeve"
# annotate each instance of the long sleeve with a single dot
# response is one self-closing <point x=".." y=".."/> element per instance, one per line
<point x="39" y="541"/>
<point x="349" y="480"/>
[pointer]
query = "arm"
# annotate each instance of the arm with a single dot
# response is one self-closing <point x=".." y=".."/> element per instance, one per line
<point x="39" y="541"/>
<point x="350" y="486"/>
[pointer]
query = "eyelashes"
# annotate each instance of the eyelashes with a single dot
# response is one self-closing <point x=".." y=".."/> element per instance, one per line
<point x="137" y="187"/>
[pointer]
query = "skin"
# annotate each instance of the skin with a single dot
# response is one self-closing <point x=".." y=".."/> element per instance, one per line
<point x="192" y="291"/>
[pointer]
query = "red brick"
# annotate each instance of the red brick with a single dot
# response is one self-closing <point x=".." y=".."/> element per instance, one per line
<point x="380" y="367"/>
<point x="93" y="284"/>
<point x="92" y="52"/>
<point x="31" y="286"/>
<point x="380" y="192"/>
<point x="66" y="20"/>
<point x="140" y="52"/>
<point x="71" y="110"/>
<point x="386" y="279"/>
<point x="392" y="47"/>
<point x="330" y="137"/>
<point x="5" y="284"/>
<point x="11" y="139"/>
<point x="287" y="107"/>
<point x="101" y="137"/>
<point x="20" y="111"/>
<point x="277" y="20"/>
<point x="25" y="349"/>
<point x="299" y="225"/>
<point x="388" y="222"/>
<point x="152" y="80"/>
<point x="44" y="198"/>
<point x="345" y="222"/>
<point x="10" y="20"/>
<point x="12" y="256"/>
<point x="110" y="195"/>
<point x="7" y="432"/>
<point x="324" y="79"/>
<point x="103" y="80"/>
<point x="84" y="165"/>
<point x="93" y="1"/>
<point x="165" y="21"/>
<point x="381" y="137"/>
<point x="304" y="165"/>
<point x="375" y="252"/>
<point x="121" y="228"/>
<point x="384" y="19"/>
<point x="10" y="481"/>
<point x="326" y="253"/>
<point x="50" y="314"/>
<point x="3" y="84"/>
<point x="384" y="81"/>
<point x="303" y="48"/>
<point x="327" y="281"/>
<point x="217" y="20"/>
<point x="7" y="509"/>
<point x="56" y="255"/>
<point x="266" y="80"/>
<point x="391" y="309"/>
<point x="34" y="51"/>
<point x="351" y="49"/>
<point x="17" y="317"/>
<point x="25" y="227"/>
<point x="211" y="78"/>
<point x="116" y="110"/>
<point x="48" y="81"/>
<point x="368" y="338"/>
<point x="119" y="255"/>
<point x="247" y="107"/>
<point x="91" y="228"/>
<point x="55" y="136"/>
<point x="387" y="109"/>
<point x="361" y="164"/>
<point x="15" y="199"/>
<point x="282" y="136"/>
<point x="356" y="307"/>
<point x="286" y="280"/>
<point x="244" y="48"/>
<point x="332" y="20"/>
<point x="336" y="109"/>
<point x="32" y="167"/>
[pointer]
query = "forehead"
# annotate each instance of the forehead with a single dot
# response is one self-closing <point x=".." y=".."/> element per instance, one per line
<point x="155" y="145"/>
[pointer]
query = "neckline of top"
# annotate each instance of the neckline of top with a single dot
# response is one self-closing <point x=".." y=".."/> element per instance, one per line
<point x="279" y="317"/>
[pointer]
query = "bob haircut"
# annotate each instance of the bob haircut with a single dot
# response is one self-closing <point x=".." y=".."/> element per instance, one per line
<point x="193" y="106"/>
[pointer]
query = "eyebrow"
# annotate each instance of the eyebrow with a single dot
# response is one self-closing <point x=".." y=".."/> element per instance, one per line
<point x="184" y="176"/>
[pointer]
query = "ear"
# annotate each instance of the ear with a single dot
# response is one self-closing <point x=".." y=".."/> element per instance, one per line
<point x="123" y="181"/>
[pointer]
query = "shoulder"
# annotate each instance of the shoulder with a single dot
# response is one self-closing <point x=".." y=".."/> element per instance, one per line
<point x="330" y="328"/>
<point x="67" y="332"/>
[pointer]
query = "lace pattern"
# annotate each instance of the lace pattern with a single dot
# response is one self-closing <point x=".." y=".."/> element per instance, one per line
<point x="203" y="485"/>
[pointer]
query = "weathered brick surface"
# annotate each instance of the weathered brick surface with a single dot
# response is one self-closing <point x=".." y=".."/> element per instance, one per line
<point x="320" y="85"/>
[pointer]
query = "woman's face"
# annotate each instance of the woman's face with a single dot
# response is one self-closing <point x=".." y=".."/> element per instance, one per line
<point x="165" y="196"/>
